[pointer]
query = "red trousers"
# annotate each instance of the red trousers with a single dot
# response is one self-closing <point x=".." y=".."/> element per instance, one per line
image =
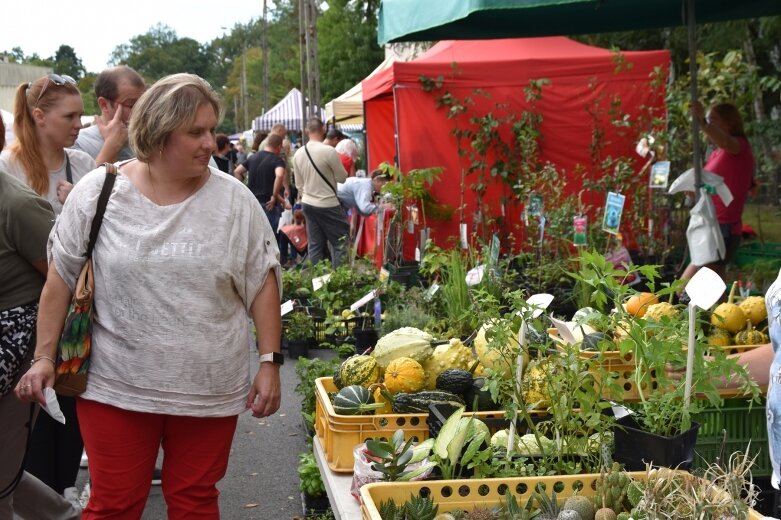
<point x="122" y="447"/>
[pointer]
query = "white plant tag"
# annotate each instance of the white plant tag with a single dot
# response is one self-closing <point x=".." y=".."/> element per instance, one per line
<point x="364" y="300"/>
<point x="705" y="288"/>
<point x="564" y="332"/>
<point x="432" y="290"/>
<point x="286" y="307"/>
<point x="462" y="229"/>
<point x="540" y="302"/>
<point x="320" y="281"/>
<point x="475" y="275"/>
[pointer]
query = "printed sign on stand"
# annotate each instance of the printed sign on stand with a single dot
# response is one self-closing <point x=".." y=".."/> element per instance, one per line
<point x="660" y="175"/>
<point x="614" y="207"/>
<point x="580" y="228"/>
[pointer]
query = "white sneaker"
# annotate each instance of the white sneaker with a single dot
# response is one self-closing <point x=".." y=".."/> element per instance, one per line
<point x="84" y="497"/>
<point x="84" y="462"/>
<point x="71" y="494"/>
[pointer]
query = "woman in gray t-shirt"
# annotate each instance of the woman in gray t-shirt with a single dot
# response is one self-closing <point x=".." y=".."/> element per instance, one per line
<point x="184" y="254"/>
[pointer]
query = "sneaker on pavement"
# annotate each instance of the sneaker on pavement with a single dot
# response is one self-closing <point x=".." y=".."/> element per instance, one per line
<point x="157" y="477"/>
<point x="71" y="494"/>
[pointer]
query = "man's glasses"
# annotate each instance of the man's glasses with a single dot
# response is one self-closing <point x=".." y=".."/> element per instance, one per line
<point x="57" y="79"/>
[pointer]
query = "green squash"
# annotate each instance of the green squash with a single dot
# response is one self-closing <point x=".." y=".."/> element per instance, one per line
<point x="355" y="400"/>
<point x="418" y="402"/>
<point x="455" y="380"/>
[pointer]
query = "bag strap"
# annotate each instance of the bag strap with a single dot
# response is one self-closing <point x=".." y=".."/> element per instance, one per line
<point x="68" y="172"/>
<point x="105" y="193"/>
<point x="318" y="169"/>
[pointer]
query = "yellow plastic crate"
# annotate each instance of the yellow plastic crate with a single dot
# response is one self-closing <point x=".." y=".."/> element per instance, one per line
<point x="452" y="495"/>
<point x="339" y="434"/>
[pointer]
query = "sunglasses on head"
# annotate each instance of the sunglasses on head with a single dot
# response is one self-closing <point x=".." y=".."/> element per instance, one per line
<point x="57" y="79"/>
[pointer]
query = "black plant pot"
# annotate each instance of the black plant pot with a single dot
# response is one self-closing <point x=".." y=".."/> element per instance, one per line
<point x="634" y="447"/>
<point x="314" y="506"/>
<point x="297" y="348"/>
<point x="364" y="339"/>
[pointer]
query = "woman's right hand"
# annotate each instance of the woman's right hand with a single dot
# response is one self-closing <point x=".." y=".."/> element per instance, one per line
<point x="31" y="385"/>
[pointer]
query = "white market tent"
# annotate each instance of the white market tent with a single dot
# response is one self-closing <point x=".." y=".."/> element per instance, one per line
<point x="287" y="112"/>
<point x="347" y="109"/>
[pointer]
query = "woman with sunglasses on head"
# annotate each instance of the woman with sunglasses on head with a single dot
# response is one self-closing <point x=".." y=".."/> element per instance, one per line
<point x="25" y="222"/>
<point x="47" y="120"/>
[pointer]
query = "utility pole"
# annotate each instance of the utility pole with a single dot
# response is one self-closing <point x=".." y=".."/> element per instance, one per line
<point x="264" y="52"/>
<point x="315" y="98"/>
<point x="310" y="79"/>
<point x="236" y="113"/>
<point x="301" y="62"/>
<point x="244" y="86"/>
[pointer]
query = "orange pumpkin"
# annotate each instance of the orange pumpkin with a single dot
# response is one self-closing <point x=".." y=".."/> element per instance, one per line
<point x="638" y="304"/>
<point x="404" y="375"/>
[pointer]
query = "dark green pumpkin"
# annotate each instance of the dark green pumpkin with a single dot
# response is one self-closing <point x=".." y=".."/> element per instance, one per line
<point x="418" y="402"/>
<point x="484" y="401"/>
<point x="355" y="400"/>
<point x="455" y="380"/>
<point x="592" y="341"/>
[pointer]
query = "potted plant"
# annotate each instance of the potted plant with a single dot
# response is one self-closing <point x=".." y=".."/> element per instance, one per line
<point x="315" y="502"/>
<point x="299" y="332"/>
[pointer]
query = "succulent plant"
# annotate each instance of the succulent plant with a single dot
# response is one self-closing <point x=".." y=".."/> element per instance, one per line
<point x="581" y="504"/>
<point x="611" y="489"/>
<point x="549" y="507"/>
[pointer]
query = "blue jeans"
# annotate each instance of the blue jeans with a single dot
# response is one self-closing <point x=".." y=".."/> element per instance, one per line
<point x="273" y="216"/>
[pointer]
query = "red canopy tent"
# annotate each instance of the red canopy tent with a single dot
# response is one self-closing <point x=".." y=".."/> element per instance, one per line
<point x="405" y="127"/>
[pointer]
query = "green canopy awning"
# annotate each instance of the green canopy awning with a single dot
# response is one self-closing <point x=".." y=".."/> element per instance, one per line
<point x="419" y="20"/>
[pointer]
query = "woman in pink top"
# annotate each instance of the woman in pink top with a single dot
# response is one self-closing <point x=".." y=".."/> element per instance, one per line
<point x="733" y="160"/>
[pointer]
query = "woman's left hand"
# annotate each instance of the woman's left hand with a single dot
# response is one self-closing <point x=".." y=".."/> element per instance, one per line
<point x="63" y="190"/>
<point x="265" y="394"/>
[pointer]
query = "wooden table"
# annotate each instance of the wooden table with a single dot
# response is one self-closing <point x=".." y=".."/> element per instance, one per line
<point x="337" y="486"/>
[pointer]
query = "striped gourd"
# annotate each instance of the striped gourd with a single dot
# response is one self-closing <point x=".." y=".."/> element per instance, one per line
<point x="359" y="370"/>
<point x="418" y="402"/>
<point x="355" y="400"/>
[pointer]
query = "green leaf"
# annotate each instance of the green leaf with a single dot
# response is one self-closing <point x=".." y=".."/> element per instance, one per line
<point x="447" y="434"/>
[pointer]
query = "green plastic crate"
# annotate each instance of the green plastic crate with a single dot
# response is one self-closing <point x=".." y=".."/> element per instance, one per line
<point x="743" y="424"/>
<point x="750" y="252"/>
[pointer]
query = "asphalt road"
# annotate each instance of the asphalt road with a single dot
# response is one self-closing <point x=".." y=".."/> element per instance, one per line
<point x="261" y="482"/>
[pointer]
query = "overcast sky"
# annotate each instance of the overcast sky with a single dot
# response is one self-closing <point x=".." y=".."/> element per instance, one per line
<point x="94" y="28"/>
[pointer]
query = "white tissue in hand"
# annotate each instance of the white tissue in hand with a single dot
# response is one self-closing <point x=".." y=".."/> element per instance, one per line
<point x="52" y="405"/>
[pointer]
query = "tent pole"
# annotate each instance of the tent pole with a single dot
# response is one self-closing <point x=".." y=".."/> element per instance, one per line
<point x="692" y="30"/>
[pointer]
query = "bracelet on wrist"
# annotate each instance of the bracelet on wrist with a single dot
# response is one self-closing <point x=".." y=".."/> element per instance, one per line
<point x="47" y="358"/>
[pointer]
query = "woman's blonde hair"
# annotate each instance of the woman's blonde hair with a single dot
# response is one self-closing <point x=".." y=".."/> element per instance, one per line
<point x="169" y="104"/>
<point x="42" y="93"/>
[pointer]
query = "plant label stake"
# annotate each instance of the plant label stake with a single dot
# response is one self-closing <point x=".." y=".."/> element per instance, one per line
<point x="538" y="303"/>
<point x="704" y="289"/>
<point x="286" y="307"/>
